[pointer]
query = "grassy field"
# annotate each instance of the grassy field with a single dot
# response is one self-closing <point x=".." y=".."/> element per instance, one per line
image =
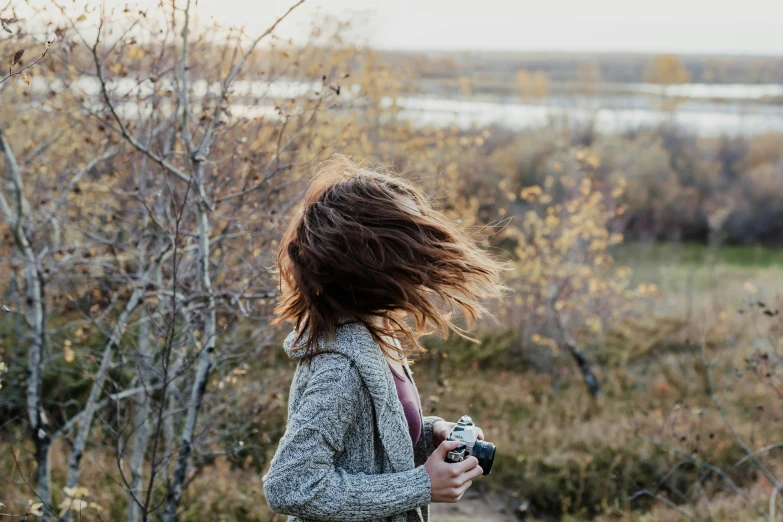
<point x="562" y="455"/>
<point x="698" y="284"/>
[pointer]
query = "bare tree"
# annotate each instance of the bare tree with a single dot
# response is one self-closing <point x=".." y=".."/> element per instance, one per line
<point x="147" y="268"/>
<point x="34" y="250"/>
<point x="192" y="206"/>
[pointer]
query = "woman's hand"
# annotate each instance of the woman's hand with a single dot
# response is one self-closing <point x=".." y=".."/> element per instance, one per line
<point x="450" y="480"/>
<point x="442" y="429"/>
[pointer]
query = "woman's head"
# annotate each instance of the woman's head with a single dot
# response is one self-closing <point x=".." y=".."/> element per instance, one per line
<point x="366" y="245"/>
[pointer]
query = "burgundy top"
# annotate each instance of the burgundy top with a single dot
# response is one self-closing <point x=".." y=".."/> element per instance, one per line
<point x="409" y="398"/>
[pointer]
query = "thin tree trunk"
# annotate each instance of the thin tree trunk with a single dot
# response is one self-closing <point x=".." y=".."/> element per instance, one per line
<point x="591" y="381"/>
<point x="169" y="428"/>
<point x="16" y="293"/>
<point x="85" y="424"/>
<point x="35" y="311"/>
<point x="141" y="424"/>
<point x="35" y="368"/>
<point x="205" y="356"/>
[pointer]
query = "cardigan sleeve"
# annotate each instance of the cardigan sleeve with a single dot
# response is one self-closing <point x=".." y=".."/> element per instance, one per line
<point x="303" y="480"/>
<point x="426" y="445"/>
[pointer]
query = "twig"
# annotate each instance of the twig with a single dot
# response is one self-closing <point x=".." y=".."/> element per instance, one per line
<point x="123" y="130"/>
<point x="758" y="452"/>
<point x="714" y="469"/>
<point x="40" y="149"/>
<point x="206" y="141"/>
<point x="666" y="501"/>
<point x="26" y="482"/>
<point x="20" y="71"/>
<point x="711" y="393"/>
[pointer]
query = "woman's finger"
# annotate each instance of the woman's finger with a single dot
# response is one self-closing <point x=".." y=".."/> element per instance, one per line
<point x="480" y="434"/>
<point x="466" y="465"/>
<point x="473" y="473"/>
<point x="464" y="487"/>
<point x="469" y="475"/>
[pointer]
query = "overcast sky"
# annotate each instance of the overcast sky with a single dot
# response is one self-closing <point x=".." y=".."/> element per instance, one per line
<point x="681" y="26"/>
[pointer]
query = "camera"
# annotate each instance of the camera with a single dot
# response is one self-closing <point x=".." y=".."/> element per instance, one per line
<point x="466" y="432"/>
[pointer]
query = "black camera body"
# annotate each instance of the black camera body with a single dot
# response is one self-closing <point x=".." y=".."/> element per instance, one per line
<point x="467" y="433"/>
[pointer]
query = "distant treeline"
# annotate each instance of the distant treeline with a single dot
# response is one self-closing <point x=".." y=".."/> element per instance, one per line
<point x="501" y="68"/>
<point x="679" y="186"/>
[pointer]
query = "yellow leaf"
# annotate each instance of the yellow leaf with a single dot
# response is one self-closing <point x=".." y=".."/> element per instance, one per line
<point x="36" y="510"/>
<point x="76" y="491"/>
<point x="25" y="78"/>
<point x="64" y="506"/>
<point x="82" y="18"/>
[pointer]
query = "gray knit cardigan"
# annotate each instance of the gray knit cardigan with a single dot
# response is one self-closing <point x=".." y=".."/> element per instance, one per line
<point x="347" y="454"/>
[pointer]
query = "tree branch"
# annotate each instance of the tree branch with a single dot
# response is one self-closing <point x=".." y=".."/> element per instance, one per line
<point x="123" y="130"/>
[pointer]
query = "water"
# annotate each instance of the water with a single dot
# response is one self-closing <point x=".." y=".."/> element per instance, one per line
<point x="735" y="91"/>
<point x="710" y="110"/>
<point x="702" y="119"/>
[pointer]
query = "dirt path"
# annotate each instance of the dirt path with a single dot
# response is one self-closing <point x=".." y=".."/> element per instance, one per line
<point x="473" y="507"/>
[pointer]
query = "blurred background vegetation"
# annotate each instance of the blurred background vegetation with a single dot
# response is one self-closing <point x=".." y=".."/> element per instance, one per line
<point x="633" y="369"/>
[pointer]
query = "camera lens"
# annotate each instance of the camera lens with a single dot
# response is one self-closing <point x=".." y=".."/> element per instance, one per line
<point x="485" y="453"/>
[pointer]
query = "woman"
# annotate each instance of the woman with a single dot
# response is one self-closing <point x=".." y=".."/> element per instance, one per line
<point x="363" y="253"/>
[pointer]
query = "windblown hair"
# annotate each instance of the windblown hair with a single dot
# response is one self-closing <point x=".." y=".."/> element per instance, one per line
<point x="366" y="246"/>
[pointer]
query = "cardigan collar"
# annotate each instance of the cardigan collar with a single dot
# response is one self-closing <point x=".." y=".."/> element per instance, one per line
<point x="354" y="341"/>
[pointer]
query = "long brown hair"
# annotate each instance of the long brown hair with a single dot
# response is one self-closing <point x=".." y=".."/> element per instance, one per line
<point x="367" y="246"/>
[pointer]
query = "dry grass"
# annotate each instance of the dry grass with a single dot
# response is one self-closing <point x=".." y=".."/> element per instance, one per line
<point x="568" y="456"/>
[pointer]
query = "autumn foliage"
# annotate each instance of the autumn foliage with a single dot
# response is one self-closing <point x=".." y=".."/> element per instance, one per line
<point x="148" y="172"/>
